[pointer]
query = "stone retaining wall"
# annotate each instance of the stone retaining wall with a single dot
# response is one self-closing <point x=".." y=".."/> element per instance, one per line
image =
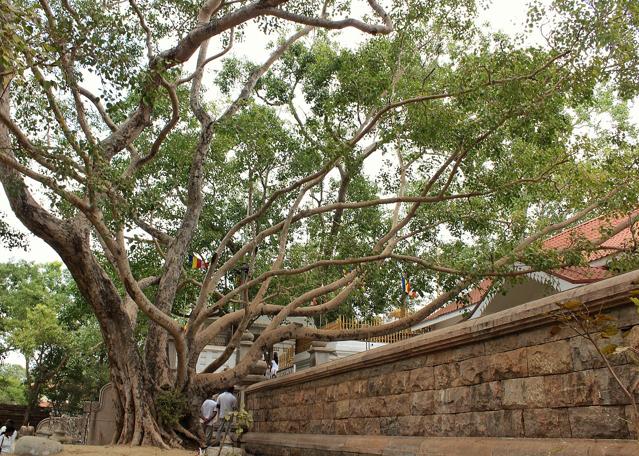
<point x="517" y="373"/>
<point x="16" y="413"/>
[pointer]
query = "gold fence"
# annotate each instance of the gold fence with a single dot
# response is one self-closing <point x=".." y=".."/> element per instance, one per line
<point x="353" y="323"/>
<point x="287" y="356"/>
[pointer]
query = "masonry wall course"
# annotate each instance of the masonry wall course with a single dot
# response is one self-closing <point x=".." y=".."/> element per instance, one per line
<point x="500" y="376"/>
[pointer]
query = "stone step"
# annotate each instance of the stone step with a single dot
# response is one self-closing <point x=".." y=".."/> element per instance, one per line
<point x="280" y="444"/>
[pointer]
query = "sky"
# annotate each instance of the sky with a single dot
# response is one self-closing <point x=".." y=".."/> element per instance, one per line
<point x="506" y="16"/>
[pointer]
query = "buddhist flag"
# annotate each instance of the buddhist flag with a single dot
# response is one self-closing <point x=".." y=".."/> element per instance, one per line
<point x="406" y="288"/>
<point x="196" y="263"/>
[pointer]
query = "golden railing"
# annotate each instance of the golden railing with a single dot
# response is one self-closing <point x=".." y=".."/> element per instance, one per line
<point x="353" y="323"/>
<point x="287" y="356"/>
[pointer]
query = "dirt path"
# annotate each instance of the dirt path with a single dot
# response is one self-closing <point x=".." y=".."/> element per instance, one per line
<point x="87" y="450"/>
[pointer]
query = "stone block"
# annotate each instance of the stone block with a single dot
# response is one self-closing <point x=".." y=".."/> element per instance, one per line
<point x="275" y="414"/>
<point x="446" y="425"/>
<point x="294" y="427"/>
<point x="447" y="376"/>
<point x="297" y="397"/>
<point x="524" y="392"/>
<point x="343" y="390"/>
<point x="414" y="362"/>
<point x="376" y="406"/>
<point x="365" y="426"/>
<point x="327" y="381"/>
<point x="225" y="451"/>
<point x="598" y="422"/>
<point x="410" y="425"/>
<point x="342" y="409"/>
<point x="486" y="396"/>
<point x="304" y="426"/>
<point x="452" y="400"/>
<point x="264" y="402"/>
<point x="328" y="426"/>
<point x="472" y="371"/>
<point x="510" y="364"/>
<point x="572" y="389"/>
<point x="550" y="358"/>
<point x="331" y="393"/>
<point x="459" y="353"/>
<point x="359" y="388"/>
<point x="627" y="314"/>
<point x="308" y="396"/>
<point x="632" y="422"/>
<point x="321" y="395"/>
<point x="294" y="413"/>
<point x="547" y="423"/>
<point x="361" y="408"/>
<point x="329" y="410"/>
<point x="398" y="405"/>
<point x="377" y="386"/>
<point x="584" y="355"/>
<point x="464" y="425"/>
<point x="36" y="446"/>
<point x="500" y="423"/>
<point x="422" y="402"/>
<point x="314" y="427"/>
<point x="341" y="427"/>
<point x="397" y="382"/>
<point x="316" y="411"/>
<point x="528" y="338"/>
<point x="259" y="415"/>
<point x="421" y="379"/>
<point x="429" y="425"/>
<point x="608" y="391"/>
<point x="390" y="425"/>
<point x="381" y="370"/>
<point x="502" y="344"/>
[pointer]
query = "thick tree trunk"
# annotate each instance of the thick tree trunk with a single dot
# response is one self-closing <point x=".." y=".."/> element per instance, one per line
<point x="32" y="402"/>
<point x="137" y="422"/>
<point x="156" y="356"/>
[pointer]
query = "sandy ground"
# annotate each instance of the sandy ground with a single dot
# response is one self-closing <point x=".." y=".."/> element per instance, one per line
<point x="87" y="450"/>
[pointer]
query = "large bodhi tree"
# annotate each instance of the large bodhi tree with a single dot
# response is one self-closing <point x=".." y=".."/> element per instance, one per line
<point x="319" y="175"/>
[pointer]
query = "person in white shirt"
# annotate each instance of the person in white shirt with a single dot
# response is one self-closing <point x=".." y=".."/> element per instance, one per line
<point x="8" y="435"/>
<point x="274" y="365"/>
<point x="208" y="413"/>
<point x="226" y="404"/>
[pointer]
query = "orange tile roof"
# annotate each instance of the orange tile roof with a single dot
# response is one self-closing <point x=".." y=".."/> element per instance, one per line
<point x="475" y="296"/>
<point x="582" y="274"/>
<point x="589" y="230"/>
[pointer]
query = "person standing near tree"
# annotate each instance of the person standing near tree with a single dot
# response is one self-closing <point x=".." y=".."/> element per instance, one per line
<point x="226" y="404"/>
<point x="275" y="365"/>
<point x="208" y="412"/>
<point x="8" y="436"/>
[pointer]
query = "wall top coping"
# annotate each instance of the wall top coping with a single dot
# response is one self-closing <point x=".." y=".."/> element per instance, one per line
<point x="606" y="293"/>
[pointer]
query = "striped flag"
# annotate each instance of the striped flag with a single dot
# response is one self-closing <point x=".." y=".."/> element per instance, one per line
<point x="406" y="288"/>
<point x="196" y="263"/>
